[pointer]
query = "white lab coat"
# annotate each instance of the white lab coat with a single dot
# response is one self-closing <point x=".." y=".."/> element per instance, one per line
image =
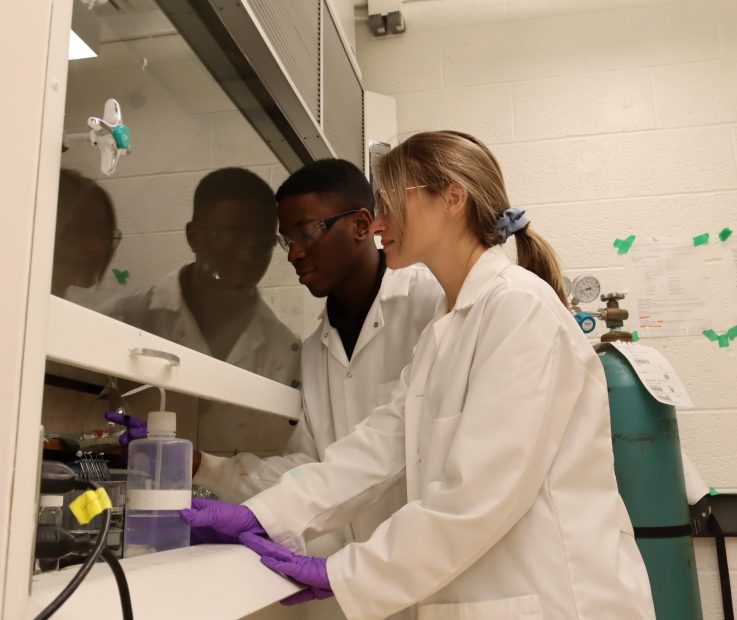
<point x="500" y="426"/>
<point x="338" y="393"/>
<point x="266" y="347"/>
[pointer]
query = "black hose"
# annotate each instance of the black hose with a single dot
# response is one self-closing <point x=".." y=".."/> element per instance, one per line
<point x="125" y="595"/>
<point x="86" y="567"/>
<point x="723" y="567"/>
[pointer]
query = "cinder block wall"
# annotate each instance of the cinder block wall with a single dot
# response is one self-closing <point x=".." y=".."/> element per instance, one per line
<point x="610" y="118"/>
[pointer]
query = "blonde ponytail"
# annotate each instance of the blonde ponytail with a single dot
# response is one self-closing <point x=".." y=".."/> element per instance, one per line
<point x="538" y="256"/>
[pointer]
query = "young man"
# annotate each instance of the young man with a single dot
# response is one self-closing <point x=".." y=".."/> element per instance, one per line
<point x="212" y="305"/>
<point x="372" y="320"/>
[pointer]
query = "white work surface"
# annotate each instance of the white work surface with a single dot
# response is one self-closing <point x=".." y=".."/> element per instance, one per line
<point x="205" y="581"/>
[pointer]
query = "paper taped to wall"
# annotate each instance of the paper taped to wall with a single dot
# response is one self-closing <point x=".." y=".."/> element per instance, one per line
<point x="656" y="373"/>
<point x="666" y="277"/>
<point x="731" y="249"/>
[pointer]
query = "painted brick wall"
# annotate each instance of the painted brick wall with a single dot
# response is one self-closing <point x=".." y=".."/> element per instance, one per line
<point x="610" y="118"/>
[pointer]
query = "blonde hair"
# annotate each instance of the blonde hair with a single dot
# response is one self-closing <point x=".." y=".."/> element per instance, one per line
<point x="434" y="160"/>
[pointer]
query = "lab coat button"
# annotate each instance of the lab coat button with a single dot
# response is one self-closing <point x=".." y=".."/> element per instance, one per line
<point x="349" y="375"/>
<point x="376" y="323"/>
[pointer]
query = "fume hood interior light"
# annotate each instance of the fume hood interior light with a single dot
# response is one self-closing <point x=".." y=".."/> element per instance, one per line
<point x="77" y="48"/>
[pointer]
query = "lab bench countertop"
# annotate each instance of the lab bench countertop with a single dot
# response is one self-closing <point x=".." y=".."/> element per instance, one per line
<point x="224" y="582"/>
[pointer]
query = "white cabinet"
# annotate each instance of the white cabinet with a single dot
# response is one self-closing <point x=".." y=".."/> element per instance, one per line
<point x="87" y="339"/>
<point x="207" y="581"/>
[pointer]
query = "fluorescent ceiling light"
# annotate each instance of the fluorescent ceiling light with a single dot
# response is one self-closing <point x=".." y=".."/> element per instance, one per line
<point x="78" y="48"/>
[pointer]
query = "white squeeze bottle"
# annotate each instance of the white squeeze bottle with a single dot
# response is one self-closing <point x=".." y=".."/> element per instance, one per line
<point x="159" y="486"/>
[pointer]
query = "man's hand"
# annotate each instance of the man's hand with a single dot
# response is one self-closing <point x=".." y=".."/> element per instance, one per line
<point x="135" y="427"/>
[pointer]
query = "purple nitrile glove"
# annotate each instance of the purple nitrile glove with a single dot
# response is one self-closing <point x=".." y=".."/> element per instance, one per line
<point x="212" y="521"/>
<point x="136" y="428"/>
<point x="306" y="570"/>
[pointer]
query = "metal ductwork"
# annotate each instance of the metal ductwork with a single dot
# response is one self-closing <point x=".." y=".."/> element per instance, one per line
<point x="285" y="67"/>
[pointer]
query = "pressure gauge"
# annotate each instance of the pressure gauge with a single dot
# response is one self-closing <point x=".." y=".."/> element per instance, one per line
<point x="586" y="288"/>
<point x="567" y="286"/>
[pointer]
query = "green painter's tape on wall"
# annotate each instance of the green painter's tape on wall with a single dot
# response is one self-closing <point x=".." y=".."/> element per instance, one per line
<point x="121" y="276"/>
<point x="635" y="336"/>
<point x="725" y="234"/>
<point x="701" y="239"/>
<point x="722" y="339"/>
<point x="623" y="245"/>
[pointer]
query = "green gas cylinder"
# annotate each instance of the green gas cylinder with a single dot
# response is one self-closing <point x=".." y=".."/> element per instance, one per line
<point x="649" y="471"/>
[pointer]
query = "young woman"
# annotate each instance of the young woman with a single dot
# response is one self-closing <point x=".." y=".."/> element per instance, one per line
<point x="86" y="233"/>
<point x="500" y="425"/>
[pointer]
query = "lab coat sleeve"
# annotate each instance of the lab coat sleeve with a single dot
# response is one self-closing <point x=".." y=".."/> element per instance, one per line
<point x="237" y="478"/>
<point x="523" y="384"/>
<point x="356" y="470"/>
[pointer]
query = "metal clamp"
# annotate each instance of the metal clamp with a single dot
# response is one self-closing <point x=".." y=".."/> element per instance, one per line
<point x="172" y="359"/>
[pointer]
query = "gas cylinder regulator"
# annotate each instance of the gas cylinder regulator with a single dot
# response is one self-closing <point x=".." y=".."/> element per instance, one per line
<point x="585" y="289"/>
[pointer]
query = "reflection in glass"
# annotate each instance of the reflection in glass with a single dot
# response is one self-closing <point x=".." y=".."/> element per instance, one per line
<point x="213" y="304"/>
<point x="86" y="233"/>
<point x="205" y="276"/>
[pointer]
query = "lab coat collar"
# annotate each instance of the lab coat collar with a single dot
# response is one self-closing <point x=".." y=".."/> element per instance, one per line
<point x="256" y="333"/>
<point x="395" y="283"/>
<point x="487" y="268"/>
<point x="167" y="293"/>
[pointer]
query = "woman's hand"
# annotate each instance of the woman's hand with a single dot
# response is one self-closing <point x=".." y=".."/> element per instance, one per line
<point x="306" y="570"/>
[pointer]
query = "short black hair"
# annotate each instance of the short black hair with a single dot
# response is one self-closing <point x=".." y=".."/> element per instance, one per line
<point x="236" y="184"/>
<point x="330" y="176"/>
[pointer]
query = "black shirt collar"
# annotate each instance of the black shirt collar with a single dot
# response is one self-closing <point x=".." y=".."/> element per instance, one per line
<point x="348" y="330"/>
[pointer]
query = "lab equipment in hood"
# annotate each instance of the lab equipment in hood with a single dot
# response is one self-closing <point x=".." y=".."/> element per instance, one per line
<point x="109" y="134"/>
<point x="159" y="486"/>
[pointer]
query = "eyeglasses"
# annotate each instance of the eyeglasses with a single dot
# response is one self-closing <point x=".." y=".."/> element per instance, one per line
<point x="234" y="235"/>
<point x="382" y="207"/>
<point x="306" y="234"/>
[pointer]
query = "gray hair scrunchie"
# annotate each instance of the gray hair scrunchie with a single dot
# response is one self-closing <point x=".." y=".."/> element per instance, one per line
<point x="513" y="220"/>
